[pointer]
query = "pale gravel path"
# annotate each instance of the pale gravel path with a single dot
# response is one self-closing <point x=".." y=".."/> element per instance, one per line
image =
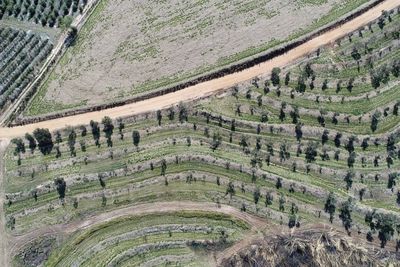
<point x="210" y="87"/>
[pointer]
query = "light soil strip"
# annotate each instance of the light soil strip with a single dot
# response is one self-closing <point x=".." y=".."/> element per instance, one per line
<point x="209" y="87"/>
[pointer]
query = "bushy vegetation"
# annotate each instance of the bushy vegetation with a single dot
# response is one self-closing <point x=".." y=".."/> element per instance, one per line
<point x="21" y="55"/>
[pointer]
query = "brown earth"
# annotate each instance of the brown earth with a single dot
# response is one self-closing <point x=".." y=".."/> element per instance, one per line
<point x="210" y="87"/>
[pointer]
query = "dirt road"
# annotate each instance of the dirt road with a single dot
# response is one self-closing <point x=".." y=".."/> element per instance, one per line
<point x="4" y="260"/>
<point x="209" y="87"/>
<point x="18" y="242"/>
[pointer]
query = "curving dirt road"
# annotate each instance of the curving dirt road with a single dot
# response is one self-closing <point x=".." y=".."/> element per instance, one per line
<point x="18" y="242"/>
<point x="209" y="87"/>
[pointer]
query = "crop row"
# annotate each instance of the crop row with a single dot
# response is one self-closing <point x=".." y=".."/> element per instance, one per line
<point x="52" y="13"/>
<point x="21" y="55"/>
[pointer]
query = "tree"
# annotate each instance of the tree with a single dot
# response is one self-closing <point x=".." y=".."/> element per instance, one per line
<point x="282" y="115"/>
<point x="350" y="144"/>
<point x="308" y="71"/>
<point x="351" y="159"/>
<point x="256" y="195"/>
<point x="275" y="76"/>
<point x="61" y="186"/>
<point x="282" y="202"/>
<point x="71" y="142"/>
<point x="95" y="132"/>
<point x="337" y="139"/>
<point x="355" y="54"/>
<point x="83" y="131"/>
<point x="278" y="183"/>
<point x="375" y="121"/>
<point x="31" y="142"/>
<point x="392" y="180"/>
<point x="364" y="143"/>
<point x="268" y="199"/>
<point x="298" y="131"/>
<point x="135" y="138"/>
<point x="292" y="221"/>
<point x="159" y="117"/>
<point x="243" y="142"/>
<point x="383" y="223"/>
<point x="171" y="114"/>
<point x="183" y="113"/>
<point x="301" y="85"/>
<point x="121" y="127"/>
<point x="163" y="167"/>
<point x="295" y="115"/>
<point x="325" y="85"/>
<point x="325" y="137"/>
<point x="350" y="85"/>
<point x="330" y="206"/>
<point x="345" y="214"/>
<point x="311" y="152"/>
<point x="108" y="129"/>
<point x="216" y="141"/>
<point x="58" y="137"/>
<point x="44" y="140"/>
<point x="287" y="78"/>
<point x="348" y="178"/>
<point x="19" y="145"/>
<point x="230" y="190"/>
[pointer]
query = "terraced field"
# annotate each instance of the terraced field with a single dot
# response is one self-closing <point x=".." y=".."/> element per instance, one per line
<point x="311" y="145"/>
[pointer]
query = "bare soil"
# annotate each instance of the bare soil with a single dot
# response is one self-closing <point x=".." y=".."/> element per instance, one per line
<point x="130" y="47"/>
<point x="210" y="87"/>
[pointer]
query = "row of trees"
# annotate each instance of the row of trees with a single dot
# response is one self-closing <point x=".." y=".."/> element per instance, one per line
<point x="22" y="53"/>
<point x="43" y="139"/>
<point x="46" y="12"/>
<point x="384" y="224"/>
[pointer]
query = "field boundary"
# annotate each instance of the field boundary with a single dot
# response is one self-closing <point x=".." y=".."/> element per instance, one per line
<point x="230" y="69"/>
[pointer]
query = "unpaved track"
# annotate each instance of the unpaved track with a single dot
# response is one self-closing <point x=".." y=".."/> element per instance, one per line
<point x="4" y="260"/>
<point x="18" y="242"/>
<point x="207" y="88"/>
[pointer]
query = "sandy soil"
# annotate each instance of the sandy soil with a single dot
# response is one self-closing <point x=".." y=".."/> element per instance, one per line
<point x="209" y="87"/>
<point x="132" y="43"/>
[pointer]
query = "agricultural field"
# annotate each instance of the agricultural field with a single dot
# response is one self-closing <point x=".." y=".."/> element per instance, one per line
<point x="28" y="32"/>
<point x="47" y="13"/>
<point x="315" y="146"/>
<point x="120" y="56"/>
<point x="21" y="55"/>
